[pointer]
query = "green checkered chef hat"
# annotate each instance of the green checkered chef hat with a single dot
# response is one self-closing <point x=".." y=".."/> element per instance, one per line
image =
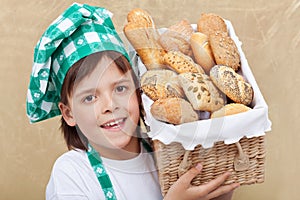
<point x="80" y="31"/>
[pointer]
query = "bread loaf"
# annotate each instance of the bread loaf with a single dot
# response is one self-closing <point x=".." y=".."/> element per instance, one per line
<point x="209" y="23"/>
<point x="173" y="110"/>
<point x="232" y="84"/>
<point x="142" y="34"/>
<point x="177" y="38"/>
<point x="224" y="50"/>
<point x="158" y="84"/>
<point x="202" y="51"/>
<point x="201" y="92"/>
<point x="181" y="63"/>
<point x="230" y="109"/>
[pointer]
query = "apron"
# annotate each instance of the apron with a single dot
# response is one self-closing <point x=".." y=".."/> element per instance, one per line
<point x="102" y="176"/>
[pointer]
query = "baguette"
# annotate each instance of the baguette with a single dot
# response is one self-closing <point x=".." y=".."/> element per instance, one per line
<point x="159" y="84"/>
<point x="230" y="109"/>
<point x="232" y="84"/>
<point x="225" y="51"/>
<point x="173" y="110"/>
<point x="201" y="92"/>
<point x="142" y="34"/>
<point x="177" y="38"/>
<point x="202" y="51"/>
<point x="210" y="23"/>
<point x="181" y="63"/>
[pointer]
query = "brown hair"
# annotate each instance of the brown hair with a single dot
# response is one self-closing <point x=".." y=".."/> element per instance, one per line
<point x="72" y="134"/>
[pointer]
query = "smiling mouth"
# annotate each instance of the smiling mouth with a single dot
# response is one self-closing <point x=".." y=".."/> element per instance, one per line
<point x="114" y="124"/>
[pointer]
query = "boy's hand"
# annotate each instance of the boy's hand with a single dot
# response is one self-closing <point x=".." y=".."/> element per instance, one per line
<point x="182" y="189"/>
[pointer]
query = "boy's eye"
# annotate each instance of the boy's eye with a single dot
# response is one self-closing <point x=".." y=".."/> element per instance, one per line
<point x="89" y="98"/>
<point x="121" y="89"/>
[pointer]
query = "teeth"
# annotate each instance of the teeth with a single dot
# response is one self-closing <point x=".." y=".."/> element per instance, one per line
<point x="113" y="123"/>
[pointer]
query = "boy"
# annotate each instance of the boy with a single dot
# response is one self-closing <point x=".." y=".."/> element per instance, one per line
<point x="82" y="71"/>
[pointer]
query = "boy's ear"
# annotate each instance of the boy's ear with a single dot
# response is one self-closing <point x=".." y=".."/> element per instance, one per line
<point x="67" y="114"/>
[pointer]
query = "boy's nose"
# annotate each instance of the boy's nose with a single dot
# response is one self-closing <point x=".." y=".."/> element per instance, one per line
<point x="108" y="104"/>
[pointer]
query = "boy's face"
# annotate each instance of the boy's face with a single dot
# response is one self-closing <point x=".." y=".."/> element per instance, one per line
<point x="104" y="105"/>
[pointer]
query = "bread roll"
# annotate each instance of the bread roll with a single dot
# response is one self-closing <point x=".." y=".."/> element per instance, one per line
<point x="224" y="50"/>
<point x="232" y="84"/>
<point x="230" y="109"/>
<point x="142" y="34"/>
<point x="202" y="51"/>
<point x="181" y="63"/>
<point x="173" y="110"/>
<point x="201" y="92"/>
<point x="177" y="38"/>
<point x="209" y="23"/>
<point x="158" y="84"/>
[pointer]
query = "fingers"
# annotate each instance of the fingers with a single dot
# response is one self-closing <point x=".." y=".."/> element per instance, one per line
<point x="213" y="188"/>
<point x="212" y="185"/>
<point x="186" y="178"/>
<point x="182" y="188"/>
<point x="225" y="191"/>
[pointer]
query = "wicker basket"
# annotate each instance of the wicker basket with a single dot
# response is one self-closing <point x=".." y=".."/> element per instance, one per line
<point x="216" y="160"/>
<point x="176" y="151"/>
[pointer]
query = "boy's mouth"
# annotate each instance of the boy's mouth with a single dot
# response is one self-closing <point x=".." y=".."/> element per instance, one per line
<point x="117" y="123"/>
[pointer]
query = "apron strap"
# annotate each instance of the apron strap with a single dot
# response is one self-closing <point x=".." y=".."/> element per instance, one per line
<point x="146" y="145"/>
<point x="103" y="178"/>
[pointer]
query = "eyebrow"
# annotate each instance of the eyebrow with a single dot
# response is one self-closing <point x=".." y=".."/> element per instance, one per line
<point x="85" y="91"/>
<point x="123" y="80"/>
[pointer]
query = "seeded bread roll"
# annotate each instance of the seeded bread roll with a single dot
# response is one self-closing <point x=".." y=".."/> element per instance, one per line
<point x="173" y="110"/>
<point x="232" y="84"/>
<point x="230" y="109"/>
<point x="209" y="23"/>
<point x="143" y="35"/>
<point x="181" y="63"/>
<point x="201" y="92"/>
<point x="224" y="50"/>
<point x="177" y="38"/>
<point x="158" y="84"/>
<point x="202" y="51"/>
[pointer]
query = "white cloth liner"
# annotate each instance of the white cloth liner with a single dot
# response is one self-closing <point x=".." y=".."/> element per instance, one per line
<point x="206" y="132"/>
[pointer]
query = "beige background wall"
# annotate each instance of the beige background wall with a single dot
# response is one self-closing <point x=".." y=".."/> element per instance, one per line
<point x="270" y="33"/>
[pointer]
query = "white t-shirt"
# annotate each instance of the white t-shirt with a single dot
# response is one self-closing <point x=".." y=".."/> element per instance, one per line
<point x="73" y="178"/>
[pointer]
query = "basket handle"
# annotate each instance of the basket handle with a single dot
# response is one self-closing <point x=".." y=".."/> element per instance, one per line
<point x="241" y="160"/>
<point x="185" y="164"/>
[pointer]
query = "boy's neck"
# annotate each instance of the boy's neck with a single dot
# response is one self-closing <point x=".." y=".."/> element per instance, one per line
<point x="130" y="151"/>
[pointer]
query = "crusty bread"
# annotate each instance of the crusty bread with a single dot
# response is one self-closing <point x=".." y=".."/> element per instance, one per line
<point x="224" y="50"/>
<point x="202" y="51"/>
<point x="209" y="23"/>
<point x="173" y="110"/>
<point x="230" y="109"/>
<point x="232" y="84"/>
<point x="177" y="38"/>
<point x="181" y="63"/>
<point x="201" y="92"/>
<point x="158" y="84"/>
<point x="142" y="34"/>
